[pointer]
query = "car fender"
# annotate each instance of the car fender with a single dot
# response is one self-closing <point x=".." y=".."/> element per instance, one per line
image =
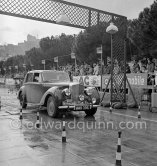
<point x="55" y="92"/>
<point x="96" y="95"/>
<point x="21" y="90"/>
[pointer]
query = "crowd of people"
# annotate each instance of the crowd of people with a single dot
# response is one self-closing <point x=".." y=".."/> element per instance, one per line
<point x="142" y="66"/>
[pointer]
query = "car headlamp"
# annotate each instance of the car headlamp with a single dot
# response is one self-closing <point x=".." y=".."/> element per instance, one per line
<point x="67" y="92"/>
<point x="93" y="100"/>
<point x="89" y="91"/>
<point x="81" y="97"/>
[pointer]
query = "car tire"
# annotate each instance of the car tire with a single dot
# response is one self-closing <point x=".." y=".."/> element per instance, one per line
<point x="91" y="112"/>
<point x="22" y="101"/>
<point x="51" y="107"/>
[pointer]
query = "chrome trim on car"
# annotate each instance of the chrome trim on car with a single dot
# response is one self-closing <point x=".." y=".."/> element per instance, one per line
<point x="73" y="106"/>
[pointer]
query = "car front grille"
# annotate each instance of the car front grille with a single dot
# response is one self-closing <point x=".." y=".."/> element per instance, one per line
<point x="76" y="90"/>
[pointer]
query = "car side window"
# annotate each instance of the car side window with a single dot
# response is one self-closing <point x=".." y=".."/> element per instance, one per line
<point x="36" y="77"/>
<point x="29" y="77"/>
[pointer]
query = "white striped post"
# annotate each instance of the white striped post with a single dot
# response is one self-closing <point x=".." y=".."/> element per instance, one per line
<point x="139" y="113"/>
<point x="63" y="131"/>
<point x="110" y="107"/>
<point x="0" y="103"/>
<point x="38" y="122"/>
<point x="118" y="153"/>
<point x="21" y="116"/>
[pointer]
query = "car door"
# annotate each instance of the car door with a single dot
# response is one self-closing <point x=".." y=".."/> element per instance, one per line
<point x="27" y="86"/>
<point x="37" y="89"/>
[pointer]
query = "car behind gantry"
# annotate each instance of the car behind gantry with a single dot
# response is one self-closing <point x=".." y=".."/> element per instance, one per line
<point x="53" y="90"/>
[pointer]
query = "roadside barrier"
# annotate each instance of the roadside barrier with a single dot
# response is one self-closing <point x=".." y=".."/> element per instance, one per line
<point x="63" y="131"/>
<point x="118" y="153"/>
<point x="38" y="122"/>
<point x="139" y="112"/>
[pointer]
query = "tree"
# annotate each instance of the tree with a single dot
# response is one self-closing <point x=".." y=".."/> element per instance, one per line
<point x="143" y="31"/>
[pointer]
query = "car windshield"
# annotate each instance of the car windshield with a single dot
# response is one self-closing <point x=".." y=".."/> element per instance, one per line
<point x="55" y="77"/>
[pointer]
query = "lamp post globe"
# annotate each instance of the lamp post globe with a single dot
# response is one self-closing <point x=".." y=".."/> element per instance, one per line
<point x="111" y="29"/>
<point x="63" y="19"/>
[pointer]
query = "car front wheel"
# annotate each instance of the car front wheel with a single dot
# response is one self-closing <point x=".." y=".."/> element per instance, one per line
<point x="91" y="112"/>
<point x="22" y="101"/>
<point x="51" y="107"/>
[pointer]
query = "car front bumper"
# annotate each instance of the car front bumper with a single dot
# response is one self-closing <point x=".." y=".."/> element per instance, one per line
<point x="75" y="107"/>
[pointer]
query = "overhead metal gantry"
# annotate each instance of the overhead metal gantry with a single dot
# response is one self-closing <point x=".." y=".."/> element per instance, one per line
<point x="80" y="17"/>
<point x="49" y="10"/>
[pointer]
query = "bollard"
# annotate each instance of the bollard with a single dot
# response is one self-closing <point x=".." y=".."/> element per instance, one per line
<point x="118" y="153"/>
<point x="110" y="107"/>
<point x="139" y="113"/>
<point x="21" y="117"/>
<point x="63" y="131"/>
<point x="0" y="103"/>
<point x="38" y="122"/>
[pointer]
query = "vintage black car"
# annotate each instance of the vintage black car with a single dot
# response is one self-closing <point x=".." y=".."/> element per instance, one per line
<point x="53" y="90"/>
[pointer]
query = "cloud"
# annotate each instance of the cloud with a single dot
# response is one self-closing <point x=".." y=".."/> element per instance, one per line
<point x="6" y="29"/>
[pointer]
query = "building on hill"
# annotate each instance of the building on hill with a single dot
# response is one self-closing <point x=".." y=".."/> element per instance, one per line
<point x="9" y="50"/>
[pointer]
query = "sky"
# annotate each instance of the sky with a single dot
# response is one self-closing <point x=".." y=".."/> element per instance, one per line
<point x="14" y="30"/>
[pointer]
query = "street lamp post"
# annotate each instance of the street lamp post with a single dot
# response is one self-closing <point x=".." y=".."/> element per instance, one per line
<point x="100" y="51"/>
<point x="10" y="70"/>
<point x="43" y="62"/>
<point x="16" y="67"/>
<point x="4" y="71"/>
<point x="73" y="56"/>
<point x="32" y="66"/>
<point x="24" y="66"/>
<point x="111" y="29"/>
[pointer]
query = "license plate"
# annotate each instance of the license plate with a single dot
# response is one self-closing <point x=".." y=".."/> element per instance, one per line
<point x="78" y="108"/>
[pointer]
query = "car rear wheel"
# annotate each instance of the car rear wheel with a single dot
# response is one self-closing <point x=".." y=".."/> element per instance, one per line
<point x="22" y="101"/>
<point x="51" y="107"/>
<point x="91" y="112"/>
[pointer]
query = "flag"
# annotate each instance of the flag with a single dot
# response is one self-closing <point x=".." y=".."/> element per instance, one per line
<point x="99" y="50"/>
<point x="43" y="62"/>
<point x="73" y="55"/>
<point x="56" y="59"/>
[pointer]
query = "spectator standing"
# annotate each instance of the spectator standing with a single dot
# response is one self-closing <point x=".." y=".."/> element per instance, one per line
<point x="96" y="69"/>
<point x="108" y="68"/>
<point x="143" y="69"/>
<point x="150" y="65"/>
<point x="82" y="73"/>
<point x="135" y="67"/>
<point x="90" y="71"/>
<point x="116" y="69"/>
<point x="128" y="68"/>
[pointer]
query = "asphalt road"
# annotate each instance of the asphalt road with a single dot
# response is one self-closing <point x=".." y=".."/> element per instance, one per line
<point x="90" y="140"/>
